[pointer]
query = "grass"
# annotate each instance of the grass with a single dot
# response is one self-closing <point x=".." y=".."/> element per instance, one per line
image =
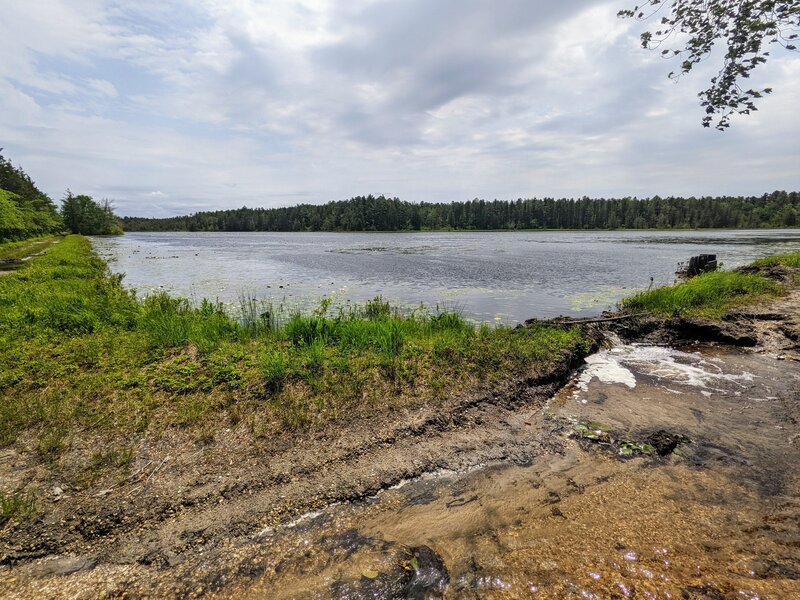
<point x="19" y="250"/>
<point x="82" y="356"/>
<point x="709" y="295"/>
<point x="17" y="507"/>
<point x="787" y="260"/>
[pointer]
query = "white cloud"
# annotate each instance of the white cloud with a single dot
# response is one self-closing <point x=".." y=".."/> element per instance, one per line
<point x="170" y="107"/>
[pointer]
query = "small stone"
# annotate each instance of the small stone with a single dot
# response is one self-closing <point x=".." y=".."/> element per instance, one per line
<point x="64" y="566"/>
<point x="370" y="574"/>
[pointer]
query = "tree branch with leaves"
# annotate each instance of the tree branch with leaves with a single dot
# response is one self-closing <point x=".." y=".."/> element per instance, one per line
<point x="748" y="28"/>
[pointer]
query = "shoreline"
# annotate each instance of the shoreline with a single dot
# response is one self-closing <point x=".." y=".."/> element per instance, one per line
<point x="185" y="498"/>
<point x="368" y="231"/>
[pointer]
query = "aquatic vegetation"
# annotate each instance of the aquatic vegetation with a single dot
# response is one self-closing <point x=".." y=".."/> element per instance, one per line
<point x="708" y="295"/>
<point x="81" y="354"/>
<point x="660" y="443"/>
<point x="592" y="430"/>
<point x="628" y="448"/>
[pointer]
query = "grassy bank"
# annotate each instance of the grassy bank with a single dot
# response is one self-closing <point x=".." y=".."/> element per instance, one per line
<point x="711" y="295"/>
<point x="785" y="260"/>
<point x="81" y="357"/>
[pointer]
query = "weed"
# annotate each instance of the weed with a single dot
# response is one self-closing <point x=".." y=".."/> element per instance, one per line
<point x="302" y="330"/>
<point x="273" y="370"/>
<point x="314" y="357"/>
<point x="377" y="309"/>
<point x="390" y="339"/>
<point x="16" y="506"/>
<point x="257" y="318"/>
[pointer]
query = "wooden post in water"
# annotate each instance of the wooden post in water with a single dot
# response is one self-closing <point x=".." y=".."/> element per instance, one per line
<point x="704" y="263"/>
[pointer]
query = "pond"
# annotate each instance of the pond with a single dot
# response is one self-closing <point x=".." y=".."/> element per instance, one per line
<point x="487" y="276"/>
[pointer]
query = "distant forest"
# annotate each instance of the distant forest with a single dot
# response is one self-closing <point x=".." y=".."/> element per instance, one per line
<point x="378" y="213"/>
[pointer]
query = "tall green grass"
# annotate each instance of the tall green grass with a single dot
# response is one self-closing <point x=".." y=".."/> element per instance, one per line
<point x="79" y="353"/>
<point x="67" y="290"/>
<point x="709" y="295"/>
<point x="172" y="322"/>
<point x="791" y="259"/>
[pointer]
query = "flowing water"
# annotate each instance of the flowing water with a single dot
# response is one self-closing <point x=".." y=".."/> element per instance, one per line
<point x="716" y="518"/>
<point x="488" y="276"/>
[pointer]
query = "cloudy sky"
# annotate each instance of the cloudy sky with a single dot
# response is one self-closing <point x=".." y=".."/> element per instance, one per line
<point x="169" y="107"/>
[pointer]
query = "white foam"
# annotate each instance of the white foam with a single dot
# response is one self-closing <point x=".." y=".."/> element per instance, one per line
<point x="622" y="363"/>
<point x="606" y="367"/>
<point x="685" y="368"/>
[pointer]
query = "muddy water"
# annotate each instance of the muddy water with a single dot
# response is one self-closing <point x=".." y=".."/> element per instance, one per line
<point x="717" y="518"/>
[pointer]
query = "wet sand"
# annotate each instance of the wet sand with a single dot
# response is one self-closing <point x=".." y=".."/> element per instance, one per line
<point x="717" y="518"/>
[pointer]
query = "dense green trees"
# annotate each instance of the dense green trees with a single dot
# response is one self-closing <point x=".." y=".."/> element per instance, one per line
<point x="747" y="29"/>
<point x="25" y="211"/>
<point x="378" y="213"/>
<point x="83" y="215"/>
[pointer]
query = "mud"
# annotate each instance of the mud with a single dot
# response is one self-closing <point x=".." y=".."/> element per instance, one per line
<point x="712" y="512"/>
<point x="494" y="495"/>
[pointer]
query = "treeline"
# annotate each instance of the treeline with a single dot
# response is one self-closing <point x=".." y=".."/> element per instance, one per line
<point x="378" y="213"/>
<point x="83" y="215"/>
<point x="26" y="211"/>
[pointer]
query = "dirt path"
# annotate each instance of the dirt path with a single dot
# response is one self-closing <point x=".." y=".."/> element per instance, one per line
<point x="21" y="255"/>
